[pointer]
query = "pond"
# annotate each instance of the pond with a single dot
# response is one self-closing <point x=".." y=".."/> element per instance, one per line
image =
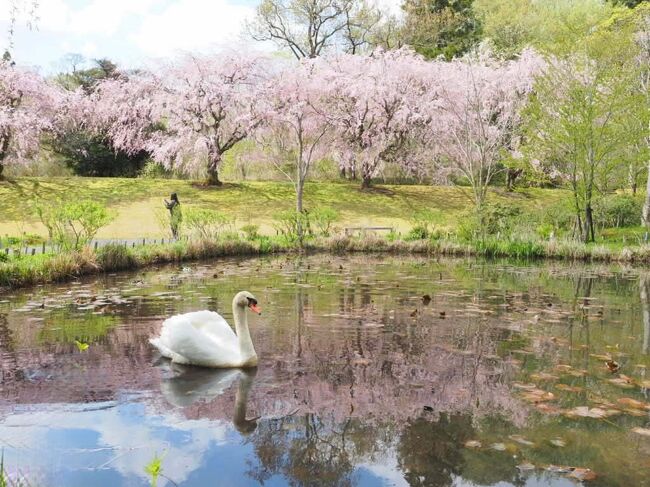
<point x="373" y="371"/>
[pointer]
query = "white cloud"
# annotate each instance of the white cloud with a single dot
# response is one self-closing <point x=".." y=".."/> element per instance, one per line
<point x="188" y="25"/>
<point x="105" y="17"/>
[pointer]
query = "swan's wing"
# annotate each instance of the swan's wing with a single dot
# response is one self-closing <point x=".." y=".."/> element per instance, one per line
<point x="199" y="338"/>
<point x="213" y="325"/>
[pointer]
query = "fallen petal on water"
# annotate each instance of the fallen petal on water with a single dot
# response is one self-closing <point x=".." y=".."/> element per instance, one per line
<point x="472" y="444"/>
<point x="559" y="442"/>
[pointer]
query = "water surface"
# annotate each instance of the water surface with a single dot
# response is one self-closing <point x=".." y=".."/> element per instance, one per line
<point x="373" y="371"/>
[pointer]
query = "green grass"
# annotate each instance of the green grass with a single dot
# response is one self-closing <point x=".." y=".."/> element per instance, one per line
<point x="137" y="201"/>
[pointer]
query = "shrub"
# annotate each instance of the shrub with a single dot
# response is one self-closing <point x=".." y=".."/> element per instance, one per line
<point x="494" y="219"/>
<point x="204" y="223"/>
<point x="322" y="219"/>
<point x="251" y="231"/>
<point x="114" y="257"/>
<point x="73" y="225"/>
<point x="288" y="224"/>
<point x="618" y="210"/>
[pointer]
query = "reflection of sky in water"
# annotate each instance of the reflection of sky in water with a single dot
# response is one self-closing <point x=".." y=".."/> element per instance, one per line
<point x="109" y="444"/>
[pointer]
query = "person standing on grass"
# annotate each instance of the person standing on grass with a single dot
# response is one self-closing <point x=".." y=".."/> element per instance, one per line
<point x="175" y="215"/>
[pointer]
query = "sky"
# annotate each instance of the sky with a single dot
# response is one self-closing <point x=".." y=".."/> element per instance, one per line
<point x="130" y="32"/>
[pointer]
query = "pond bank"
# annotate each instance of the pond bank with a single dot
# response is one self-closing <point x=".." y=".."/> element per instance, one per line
<point x="40" y="269"/>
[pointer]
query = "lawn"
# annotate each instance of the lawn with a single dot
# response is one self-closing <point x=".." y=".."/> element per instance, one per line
<point x="137" y="202"/>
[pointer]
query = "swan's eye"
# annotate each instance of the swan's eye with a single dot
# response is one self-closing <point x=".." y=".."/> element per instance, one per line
<point x="251" y="301"/>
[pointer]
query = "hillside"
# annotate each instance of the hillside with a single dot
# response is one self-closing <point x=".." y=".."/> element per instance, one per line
<point x="137" y="203"/>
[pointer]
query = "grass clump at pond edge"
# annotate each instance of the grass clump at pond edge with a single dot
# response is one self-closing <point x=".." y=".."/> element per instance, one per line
<point x="29" y="270"/>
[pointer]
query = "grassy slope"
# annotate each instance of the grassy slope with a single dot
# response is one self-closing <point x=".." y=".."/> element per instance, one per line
<point x="138" y="201"/>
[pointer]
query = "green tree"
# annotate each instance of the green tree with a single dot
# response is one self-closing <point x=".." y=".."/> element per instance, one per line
<point x="440" y="27"/>
<point x="551" y="26"/>
<point x="577" y="120"/>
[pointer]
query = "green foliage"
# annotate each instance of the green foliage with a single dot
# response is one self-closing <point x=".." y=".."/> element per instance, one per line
<point x="205" y="223"/>
<point x="74" y="224"/>
<point x="91" y="155"/>
<point x="553" y="26"/>
<point x="493" y="220"/>
<point x="440" y="27"/>
<point x="424" y="222"/>
<point x="618" y="210"/>
<point x="154" y="170"/>
<point x="322" y="220"/>
<point x="251" y="231"/>
<point x="154" y="469"/>
<point x="290" y="224"/>
<point x="518" y="249"/>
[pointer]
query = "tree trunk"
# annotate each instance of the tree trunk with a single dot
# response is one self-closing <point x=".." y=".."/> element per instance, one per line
<point x="213" y="177"/>
<point x="365" y="182"/>
<point x="511" y="177"/>
<point x="2" y="168"/>
<point x="589" y="235"/>
<point x="299" y="211"/>
<point x="645" y="214"/>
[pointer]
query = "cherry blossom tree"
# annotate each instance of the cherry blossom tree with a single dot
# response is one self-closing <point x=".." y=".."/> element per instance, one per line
<point x="295" y="131"/>
<point x="28" y="106"/>
<point x="377" y="107"/>
<point x="189" y="113"/>
<point x="477" y="115"/>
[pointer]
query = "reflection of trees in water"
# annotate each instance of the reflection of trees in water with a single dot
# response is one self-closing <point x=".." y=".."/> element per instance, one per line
<point x="9" y="369"/>
<point x="644" y="286"/>
<point x="308" y="449"/>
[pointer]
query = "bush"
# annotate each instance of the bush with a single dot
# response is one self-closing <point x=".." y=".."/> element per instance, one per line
<point x="618" y="210"/>
<point x="288" y="224"/>
<point x="494" y="219"/>
<point x="251" y="231"/>
<point x="73" y="225"/>
<point x="204" y="223"/>
<point x="322" y="219"/>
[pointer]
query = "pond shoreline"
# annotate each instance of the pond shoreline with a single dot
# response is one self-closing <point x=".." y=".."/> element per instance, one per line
<point x="29" y="271"/>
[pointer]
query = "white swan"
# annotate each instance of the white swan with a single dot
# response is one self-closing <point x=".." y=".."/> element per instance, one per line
<point x="205" y="338"/>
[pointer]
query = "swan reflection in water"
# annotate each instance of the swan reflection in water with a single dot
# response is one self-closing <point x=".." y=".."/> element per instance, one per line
<point x="187" y="385"/>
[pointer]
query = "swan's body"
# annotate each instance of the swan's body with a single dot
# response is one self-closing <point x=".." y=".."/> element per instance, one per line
<point x="204" y="338"/>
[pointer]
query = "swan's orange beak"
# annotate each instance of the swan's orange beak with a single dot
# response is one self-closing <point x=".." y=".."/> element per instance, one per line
<point x="255" y="308"/>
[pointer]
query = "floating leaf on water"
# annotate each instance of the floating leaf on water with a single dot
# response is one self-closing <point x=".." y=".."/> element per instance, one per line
<point x="519" y="385"/>
<point x="582" y="474"/>
<point x="563" y="367"/>
<point x="641" y="431"/>
<point x="623" y="381"/>
<point x="635" y="412"/>
<point x="526" y="467"/>
<point x="568" y="388"/>
<point x="559" y="442"/>
<point x="544" y="376"/>
<point x="472" y="444"/>
<point x="633" y="403"/>
<point x="600" y="357"/>
<point x="585" y="412"/>
<point x="558" y="469"/>
<point x="538" y="395"/>
<point x="612" y="366"/>
<point x="498" y="446"/>
<point x="548" y="408"/>
<point x="81" y="345"/>
<point x="521" y="440"/>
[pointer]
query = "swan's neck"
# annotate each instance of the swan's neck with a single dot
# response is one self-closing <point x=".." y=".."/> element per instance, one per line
<point x="246" y="350"/>
<point x="241" y="398"/>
